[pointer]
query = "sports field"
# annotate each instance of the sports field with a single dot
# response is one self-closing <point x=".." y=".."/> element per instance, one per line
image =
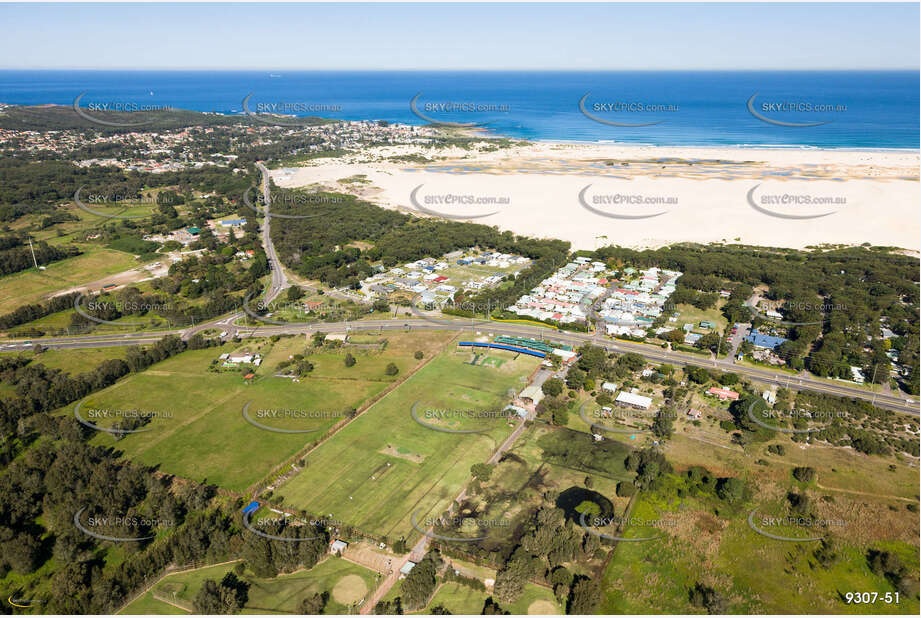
<point x="198" y="429"/>
<point x="385" y="466"/>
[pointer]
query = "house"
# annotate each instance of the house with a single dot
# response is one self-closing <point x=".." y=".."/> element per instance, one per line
<point x="760" y="340"/>
<point x="533" y="394"/>
<point x="707" y="324"/>
<point x="632" y="400"/>
<point x="517" y="411"/>
<point x="769" y="396"/>
<point x="406" y="568"/>
<point x="241" y="357"/>
<point x="568" y="356"/>
<point x="338" y="546"/>
<point x="609" y="387"/>
<point x="773" y="314"/>
<point x="694" y="414"/>
<point x="343" y="337"/>
<point x="723" y="393"/>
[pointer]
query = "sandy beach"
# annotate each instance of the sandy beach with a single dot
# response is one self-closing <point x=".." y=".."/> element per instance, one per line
<point x="643" y="196"/>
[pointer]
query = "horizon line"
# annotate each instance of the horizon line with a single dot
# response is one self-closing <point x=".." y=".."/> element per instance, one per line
<point x="469" y="69"/>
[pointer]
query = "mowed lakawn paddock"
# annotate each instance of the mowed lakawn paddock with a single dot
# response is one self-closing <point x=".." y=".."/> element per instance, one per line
<point x="199" y="431"/>
<point x="385" y="466"/>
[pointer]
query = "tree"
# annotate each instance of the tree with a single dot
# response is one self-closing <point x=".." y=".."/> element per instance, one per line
<point x="491" y="608"/>
<point x="663" y="424"/>
<point x="208" y="599"/>
<point x="827" y="552"/>
<point x="673" y="336"/>
<point x="481" y="471"/>
<point x="592" y="359"/>
<point x="708" y="598"/>
<point x="625" y="489"/>
<point x="731" y="489"/>
<point x="552" y="387"/>
<point x="389" y="608"/>
<point x="584" y="597"/>
<point x="418" y="355"/>
<point x="349" y="360"/>
<point x="804" y="474"/>
<point x="392" y="370"/>
<point x="295" y="293"/>
<point x="313" y="604"/>
<point x="420" y="583"/>
<point x="575" y="378"/>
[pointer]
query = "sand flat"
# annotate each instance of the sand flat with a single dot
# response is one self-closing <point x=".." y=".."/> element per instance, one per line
<point x="702" y="194"/>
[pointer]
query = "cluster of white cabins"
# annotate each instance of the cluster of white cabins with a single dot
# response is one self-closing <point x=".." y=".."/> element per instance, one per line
<point x="631" y="304"/>
<point x="426" y="279"/>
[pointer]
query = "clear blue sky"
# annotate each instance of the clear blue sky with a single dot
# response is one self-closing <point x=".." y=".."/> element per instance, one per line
<point x="460" y="36"/>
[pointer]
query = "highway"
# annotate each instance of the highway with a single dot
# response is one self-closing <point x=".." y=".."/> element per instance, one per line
<point x="653" y="353"/>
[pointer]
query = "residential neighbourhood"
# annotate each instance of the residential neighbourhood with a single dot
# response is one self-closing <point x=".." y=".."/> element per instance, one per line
<point x="435" y="282"/>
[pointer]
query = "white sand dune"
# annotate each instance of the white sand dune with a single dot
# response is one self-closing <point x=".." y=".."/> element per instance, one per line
<point x="697" y="194"/>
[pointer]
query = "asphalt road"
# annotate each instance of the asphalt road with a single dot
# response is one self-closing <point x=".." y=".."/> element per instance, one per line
<point x="650" y="352"/>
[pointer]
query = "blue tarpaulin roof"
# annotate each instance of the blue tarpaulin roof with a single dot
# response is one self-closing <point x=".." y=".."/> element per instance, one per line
<point x="252" y="506"/>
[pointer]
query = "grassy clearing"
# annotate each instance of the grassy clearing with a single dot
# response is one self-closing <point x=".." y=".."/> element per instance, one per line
<point x="346" y="582"/>
<point x="692" y="315"/>
<point x="384" y="466"/>
<point x="753" y="573"/>
<point x="32" y="285"/>
<point x="459" y="599"/>
<point x="73" y="361"/>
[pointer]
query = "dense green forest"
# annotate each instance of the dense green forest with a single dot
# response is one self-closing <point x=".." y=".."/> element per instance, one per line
<point x="63" y="118"/>
<point x="316" y="247"/>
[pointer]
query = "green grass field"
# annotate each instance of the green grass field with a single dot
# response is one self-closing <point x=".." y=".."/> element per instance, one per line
<point x="200" y="432"/>
<point x="385" y="466"/>
<point x="459" y="599"/>
<point x="753" y="573"/>
<point x="346" y="582"/>
<point x="73" y="361"/>
<point x="31" y="285"/>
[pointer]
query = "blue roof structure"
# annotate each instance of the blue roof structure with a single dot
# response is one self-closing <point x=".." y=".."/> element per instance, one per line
<point x="764" y="341"/>
<point x="500" y="346"/>
<point x="251" y="507"/>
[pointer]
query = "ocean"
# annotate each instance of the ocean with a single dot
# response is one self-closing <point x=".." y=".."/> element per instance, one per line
<point x="823" y="109"/>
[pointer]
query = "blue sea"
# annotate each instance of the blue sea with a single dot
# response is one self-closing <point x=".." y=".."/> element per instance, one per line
<point x="840" y="109"/>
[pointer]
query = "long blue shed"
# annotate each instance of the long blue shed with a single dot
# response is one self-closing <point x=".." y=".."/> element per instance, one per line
<point x="502" y="346"/>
